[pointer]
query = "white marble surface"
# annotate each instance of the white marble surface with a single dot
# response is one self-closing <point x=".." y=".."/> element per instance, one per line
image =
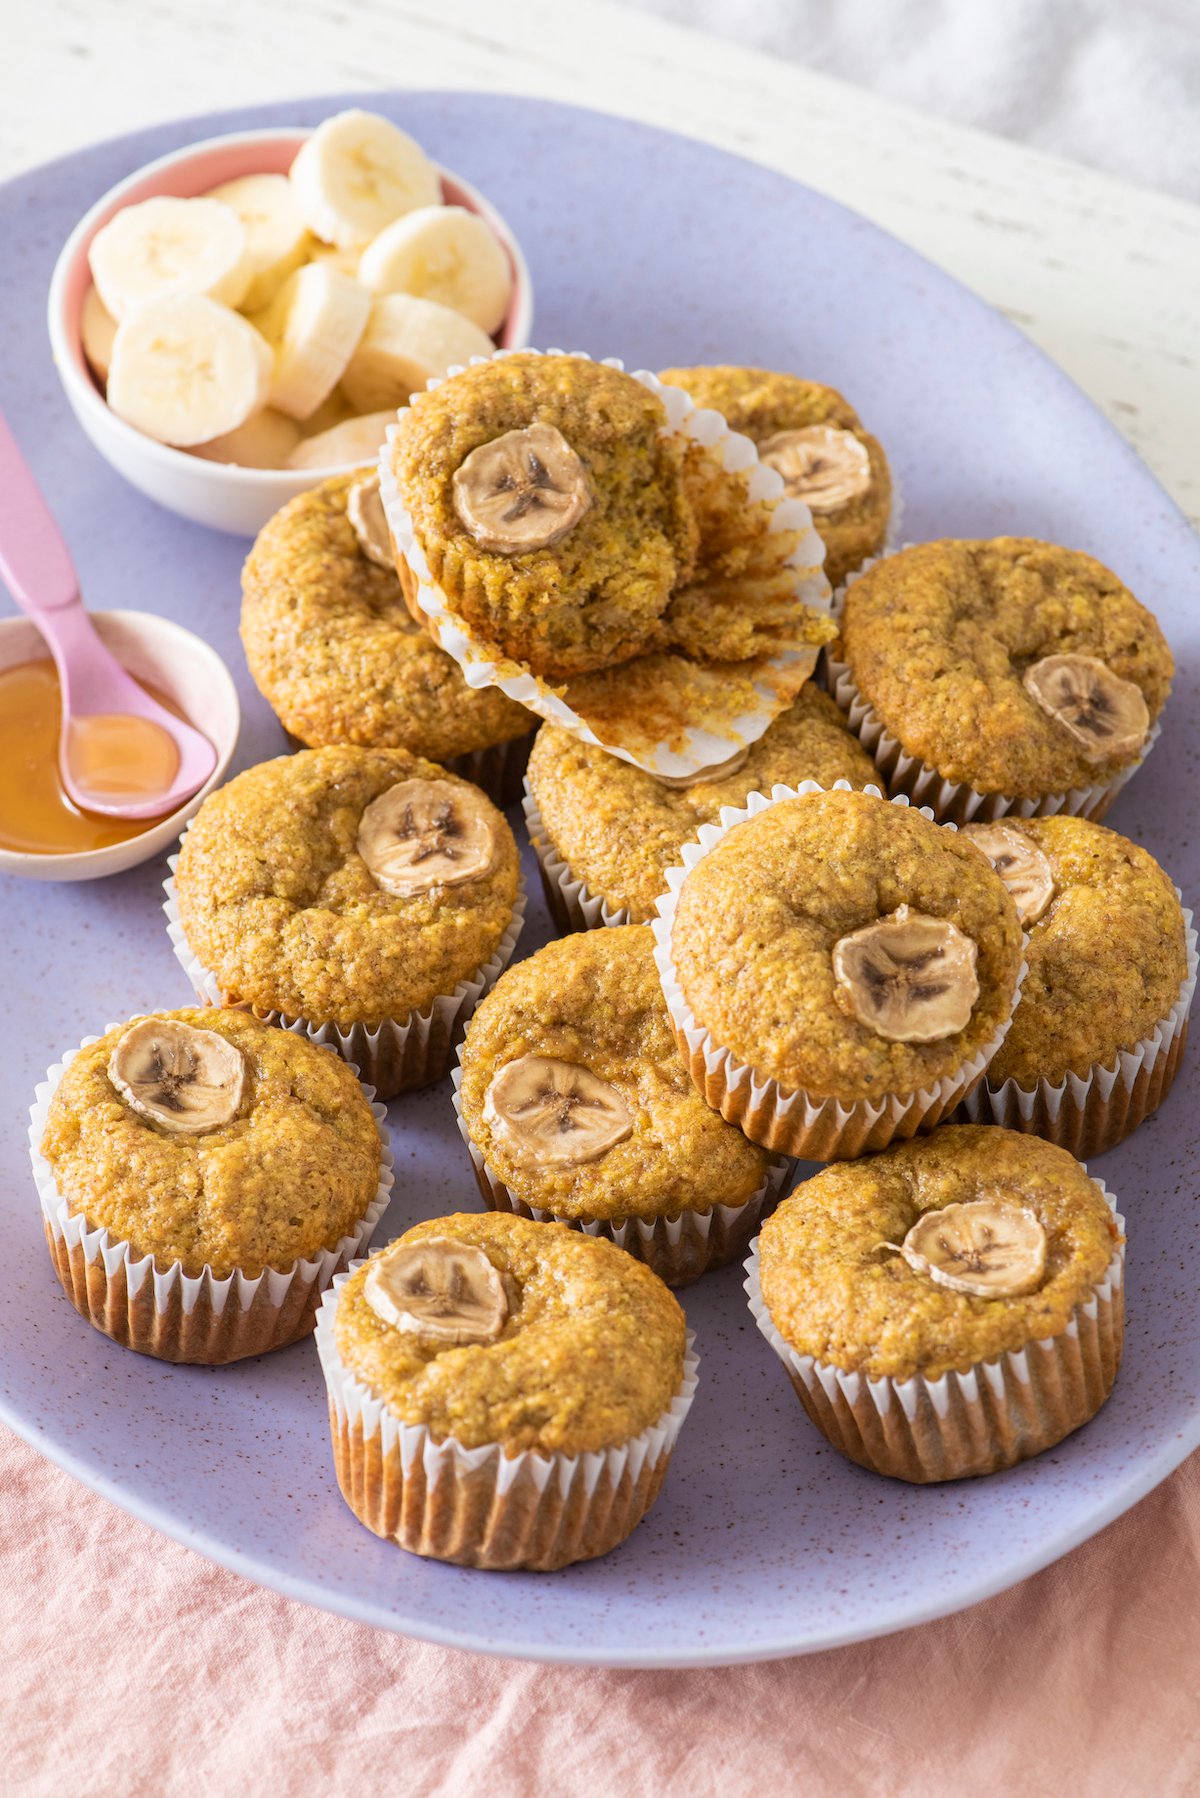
<point x="1103" y="275"/>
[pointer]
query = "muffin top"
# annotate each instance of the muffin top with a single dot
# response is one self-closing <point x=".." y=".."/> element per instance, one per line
<point x="1014" y="666"/>
<point x="556" y="1341"/>
<point x="575" y="1094"/>
<point x="837" y="1289"/>
<point x="345" y="885"/>
<point x="817" y="442"/>
<point x="546" y="493"/>
<point x="847" y="947"/>
<point x="206" y="1137"/>
<point x="332" y="648"/>
<point x="1107" y="949"/>
<point x="620" y="829"/>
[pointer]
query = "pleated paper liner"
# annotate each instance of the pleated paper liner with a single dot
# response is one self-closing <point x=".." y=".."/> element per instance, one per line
<point x="678" y="1249"/>
<point x="197" y="1318"/>
<point x="478" y="1506"/>
<point x="497" y="770"/>
<point x="1090" y="1113"/>
<point x="979" y="1421"/>
<point x="792" y="1122"/>
<point x="396" y="1055"/>
<point x="572" y="904"/>
<point x="703" y="713"/>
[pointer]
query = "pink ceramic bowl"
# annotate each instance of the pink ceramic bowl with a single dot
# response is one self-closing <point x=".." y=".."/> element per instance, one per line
<point x="239" y="500"/>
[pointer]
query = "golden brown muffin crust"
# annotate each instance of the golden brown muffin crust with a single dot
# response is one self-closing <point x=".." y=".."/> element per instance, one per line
<point x="590" y="1356"/>
<point x="835" y="1293"/>
<point x="290" y="1175"/>
<point x="938" y="638"/>
<point x="276" y="901"/>
<point x="758" y="918"/>
<point x="595" y="1000"/>
<point x="619" y="829"/>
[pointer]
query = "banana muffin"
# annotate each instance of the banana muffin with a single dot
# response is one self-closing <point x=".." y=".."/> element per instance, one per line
<point x="335" y="654"/>
<point x="816" y="441"/>
<point x="606" y="832"/>
<point x="1099" y="1031"/>
<point x="475" y="1350"/>
<point x="1000" y="671"/>
<point x="838" y="969"/>
<point x="577" y="1107"/>
<point x="214" y="1145"/>
<point x="365" y="892"/>
<point x="949" y="1307"/>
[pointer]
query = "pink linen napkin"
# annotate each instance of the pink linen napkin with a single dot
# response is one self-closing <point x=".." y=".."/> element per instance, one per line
<point x="130" y="1664"/>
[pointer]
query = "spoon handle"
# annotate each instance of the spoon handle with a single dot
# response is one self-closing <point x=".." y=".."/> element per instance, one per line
<point x="35" y="564"/>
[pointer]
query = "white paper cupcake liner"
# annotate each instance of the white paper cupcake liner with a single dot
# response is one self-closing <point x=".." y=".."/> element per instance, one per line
<point x="961" y="1425"/>
<point x="484" y="666"/>
<point x="572" y="904"/>
<point x="1090" y="1113"/>
<point x="171" y="1315"/>
<point x="396" y="1055"/>
<point x="678" y="1249"/>
<point x="792" y="1122"/>
<point x="478" y="1506"/>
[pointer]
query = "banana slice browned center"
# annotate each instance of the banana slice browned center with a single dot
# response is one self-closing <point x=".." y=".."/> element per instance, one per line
<point x="524" y="490"/>
<point x="990" y="1248"/>
<point x="364" y="509"/>
<point x="553" y="1113"/>
<point x="909" y="978"/>
<point x="184" y="1079"/>
<point x="426" y="833"/>
<point x="443" y="1290"/>
<point x="821" y="465"/>
<point x="1107" y="716"/>
<point x="1019" y="862"/>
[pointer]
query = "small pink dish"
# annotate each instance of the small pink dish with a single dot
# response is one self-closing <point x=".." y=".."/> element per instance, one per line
<point x="237" y="500"/>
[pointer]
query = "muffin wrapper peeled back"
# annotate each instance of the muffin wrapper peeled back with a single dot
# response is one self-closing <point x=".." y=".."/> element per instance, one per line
<point x="396" y="1055"/>
<point x="784" y="1121"/>
<point x="678" y="1249"/>
<point x="1090" y="1113"/>
<point x="480" y="1507"/>
<point x="172" y="1315"/>
<point x="708" y="734"/>
<point x="980" y="1421"/>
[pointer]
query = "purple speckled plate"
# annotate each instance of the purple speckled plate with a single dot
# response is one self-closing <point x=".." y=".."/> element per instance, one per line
<point x="764" y="1543"/>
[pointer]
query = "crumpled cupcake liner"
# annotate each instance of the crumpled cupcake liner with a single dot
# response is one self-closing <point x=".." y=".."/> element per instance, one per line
<point x="785" y="1121"/>
<point x="678" y="1249"/>
<point x="180" y="1317"/>
<point x="480" y="1507"/>
<point x="962" y="1425"/>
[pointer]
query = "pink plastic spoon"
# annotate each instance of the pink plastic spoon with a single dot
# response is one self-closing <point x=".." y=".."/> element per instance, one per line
<point x="102" y="706"/>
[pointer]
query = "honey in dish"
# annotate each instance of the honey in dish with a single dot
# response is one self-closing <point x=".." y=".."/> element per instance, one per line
<point x="109" y="754"/>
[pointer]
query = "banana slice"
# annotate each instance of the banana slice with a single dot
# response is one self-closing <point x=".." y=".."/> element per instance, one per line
<point x="358" y="172"/>
<point x="524" y="490"/>
<point x="364" y="509"/>
<point x="186" y="370"/>
<point x="442" y="253"/>
<point x="552" y="1113"/>
<point x="909" y="978"/>
<point x="1020" y="864"/>
<point x="717" y="771"/>
<point x="426" y="833"/>
<point x="163" y="247"/>
<point x="97" y="328"/>
<point x="443" y="1290"/>
<point x="1107" y="716"/>
<point x="821" y="465"/>
<point x="407" y="341"/>
<point x="345" y="261"/>
<point x="185" y="1079"/>
<point x="264" y="441"/>
<point x="276" y="234"/>
<point x="345" y="445"/>
<point x="313" y="325"/>
<point x="987" y="1247"/>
